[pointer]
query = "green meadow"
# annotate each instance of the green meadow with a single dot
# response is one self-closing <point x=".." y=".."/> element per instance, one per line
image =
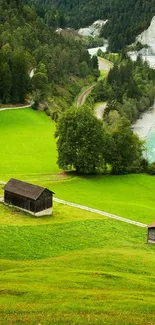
<point x="130" y="196"/>
<point x="74" y="267"/>
<point x="27" y="143"/>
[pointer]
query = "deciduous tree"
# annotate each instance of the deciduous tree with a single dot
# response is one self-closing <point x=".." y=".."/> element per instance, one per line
<point x="80" y="141"/>
<point x="127" y="148"/>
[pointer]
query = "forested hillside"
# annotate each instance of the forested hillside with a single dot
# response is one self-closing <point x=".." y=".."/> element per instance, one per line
<point x="128" y="89"/>
<point x="126" y="19"/>
<point x="28" y="41"/>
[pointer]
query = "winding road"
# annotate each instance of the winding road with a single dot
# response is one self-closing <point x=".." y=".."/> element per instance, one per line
<point x="81" y="99"/>
<point x="104" y="65"/>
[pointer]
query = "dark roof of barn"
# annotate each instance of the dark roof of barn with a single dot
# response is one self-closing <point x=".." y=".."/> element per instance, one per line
<point x="28" y="190"/>
<point x="152" y="225"/>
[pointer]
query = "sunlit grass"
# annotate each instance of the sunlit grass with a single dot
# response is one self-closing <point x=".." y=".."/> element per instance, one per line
<point x="27" y="143"/>
<point x="75" y="268"/>
<point x="130" y="196"/>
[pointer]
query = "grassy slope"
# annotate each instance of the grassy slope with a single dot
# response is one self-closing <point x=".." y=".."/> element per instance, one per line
<point x="130" y="196"/>
<point x="26" y="143"/>
<point x="76" y="267"/>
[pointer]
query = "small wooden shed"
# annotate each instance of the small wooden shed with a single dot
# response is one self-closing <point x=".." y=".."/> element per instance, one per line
<point x="29" y="197"/>
<point x="151" y="233"/>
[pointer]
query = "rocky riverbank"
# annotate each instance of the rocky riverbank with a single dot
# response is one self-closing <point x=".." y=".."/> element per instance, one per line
<point x="145" y="128"/>
<point x="146" y="123"/>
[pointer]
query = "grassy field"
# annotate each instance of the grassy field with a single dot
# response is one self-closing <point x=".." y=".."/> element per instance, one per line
<point x="27" y="144"/>
<point x="130" y="196"/>
<point x="75" y="267"/>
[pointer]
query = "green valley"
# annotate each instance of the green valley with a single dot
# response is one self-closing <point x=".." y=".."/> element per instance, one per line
<point x="75" y="267"/>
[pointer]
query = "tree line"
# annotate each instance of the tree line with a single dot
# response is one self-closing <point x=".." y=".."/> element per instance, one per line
<point x="128" y="89"/>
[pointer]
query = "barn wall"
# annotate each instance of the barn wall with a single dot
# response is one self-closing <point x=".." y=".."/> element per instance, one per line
<point x="19" y="201"/>
<point x="151" y="234"/>
<point x="46" y="194"/>
<point x="44" y="202"/>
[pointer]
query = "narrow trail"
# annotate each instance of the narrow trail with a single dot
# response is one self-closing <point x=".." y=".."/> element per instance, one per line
<point x="83" y="96"/>
<point x="104" y="65"/>
<point x="103" y="213"/>
<point x="15" y="107"/>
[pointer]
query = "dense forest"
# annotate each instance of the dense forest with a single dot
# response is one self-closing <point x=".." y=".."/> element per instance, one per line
<point x="29" y="42"/>
<point x="126" y="19"/>
<point x="128" y="89"/>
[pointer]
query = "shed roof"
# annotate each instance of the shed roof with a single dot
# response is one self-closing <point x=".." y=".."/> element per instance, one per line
<point x="28" y="190"/>
<point x="152" y="225"/>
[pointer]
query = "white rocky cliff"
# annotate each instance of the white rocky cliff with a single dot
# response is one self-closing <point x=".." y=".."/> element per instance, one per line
<point x="148" y="37"/>
<point x="93" y="30"/>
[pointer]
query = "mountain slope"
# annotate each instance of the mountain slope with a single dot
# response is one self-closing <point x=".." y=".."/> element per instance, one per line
<point x="28" y="41"/>
<point x="126" y="19"/>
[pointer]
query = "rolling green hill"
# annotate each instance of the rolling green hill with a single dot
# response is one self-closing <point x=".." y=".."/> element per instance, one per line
<point x="74" y="268"/>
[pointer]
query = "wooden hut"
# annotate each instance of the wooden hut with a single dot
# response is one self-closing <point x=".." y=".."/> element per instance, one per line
<point x="151" y="233"/>
<point x="32" y="198"/>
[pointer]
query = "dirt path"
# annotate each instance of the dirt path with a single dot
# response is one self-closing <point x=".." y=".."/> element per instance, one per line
<point x="103" y="213"/>
<point x="15" y="107"/>
<point x="82" y="97"/>
<point x="104" y="65"/>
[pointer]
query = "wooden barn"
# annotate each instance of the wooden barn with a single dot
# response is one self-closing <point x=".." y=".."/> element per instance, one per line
<point x="32" y="198"/>
<point x="151" y="233"/>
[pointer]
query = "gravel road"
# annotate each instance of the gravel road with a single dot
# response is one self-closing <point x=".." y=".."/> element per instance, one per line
<point x="99" y="110"/>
